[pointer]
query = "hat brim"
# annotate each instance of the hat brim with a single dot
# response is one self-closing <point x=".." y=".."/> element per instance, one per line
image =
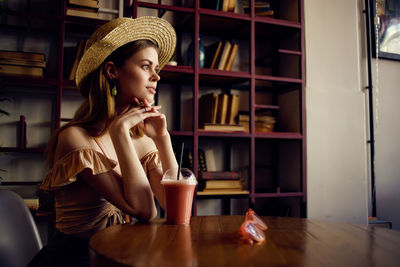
<point x="127" y="30"/>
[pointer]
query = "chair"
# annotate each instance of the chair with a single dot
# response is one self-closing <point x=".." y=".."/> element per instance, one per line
<point x="19" y="237"/>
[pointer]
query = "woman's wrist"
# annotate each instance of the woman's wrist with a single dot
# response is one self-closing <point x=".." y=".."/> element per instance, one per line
<point x="118" y="129"/>
<point x="160" y="139"/>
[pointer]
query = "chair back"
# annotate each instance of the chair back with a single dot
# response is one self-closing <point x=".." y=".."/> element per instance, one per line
<point x="19" y="237"/>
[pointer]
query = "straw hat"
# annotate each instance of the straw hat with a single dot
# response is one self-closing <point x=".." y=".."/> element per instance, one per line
<point x="121" y="31"/>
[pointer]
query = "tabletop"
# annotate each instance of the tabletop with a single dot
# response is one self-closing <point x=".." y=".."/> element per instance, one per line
<point x="214" y="241"/>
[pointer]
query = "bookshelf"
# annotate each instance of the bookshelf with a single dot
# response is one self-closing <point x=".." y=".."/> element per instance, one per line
<point x="269" y="76"/>
<point x="268" y="73"/>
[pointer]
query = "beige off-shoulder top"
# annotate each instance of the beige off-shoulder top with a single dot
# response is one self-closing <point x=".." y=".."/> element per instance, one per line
<point x="79" y="209"/>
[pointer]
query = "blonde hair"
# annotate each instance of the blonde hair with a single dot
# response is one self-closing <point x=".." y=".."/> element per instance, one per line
<point x="98" y="104"/>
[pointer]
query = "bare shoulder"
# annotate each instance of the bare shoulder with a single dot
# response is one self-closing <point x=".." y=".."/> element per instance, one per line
<point x="70" y="139"/>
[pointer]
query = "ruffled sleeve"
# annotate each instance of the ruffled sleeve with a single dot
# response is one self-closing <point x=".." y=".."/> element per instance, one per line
<point x="151" y="161"/>
<point x="65" y="170"/>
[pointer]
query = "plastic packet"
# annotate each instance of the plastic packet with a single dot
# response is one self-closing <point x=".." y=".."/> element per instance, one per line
<point x="253" y="227"/>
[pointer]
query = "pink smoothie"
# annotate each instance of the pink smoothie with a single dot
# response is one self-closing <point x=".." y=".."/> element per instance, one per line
<point x="179" y="199"/>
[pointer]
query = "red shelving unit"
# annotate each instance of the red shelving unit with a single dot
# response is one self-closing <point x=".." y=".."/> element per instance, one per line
<point x="283" y="87"/>
<point x="271" y="75"/>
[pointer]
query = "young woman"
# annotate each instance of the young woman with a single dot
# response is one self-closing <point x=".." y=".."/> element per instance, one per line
<point x="108" y="161"/>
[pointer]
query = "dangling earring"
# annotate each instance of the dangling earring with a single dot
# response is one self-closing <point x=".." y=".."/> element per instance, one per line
<point x="114" y="90"/>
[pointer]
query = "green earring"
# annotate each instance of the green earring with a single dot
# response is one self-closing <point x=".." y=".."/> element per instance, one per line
<point x="114" y="91"/>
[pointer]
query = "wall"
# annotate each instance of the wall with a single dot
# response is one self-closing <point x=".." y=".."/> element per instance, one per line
<point x="337" y="117"/>
<point x="337" y="177"/>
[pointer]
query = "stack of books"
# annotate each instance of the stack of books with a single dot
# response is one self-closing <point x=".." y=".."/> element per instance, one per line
<point x="218" y="112"/>
<point x="221" y="55"/>
<point x="263" y="123"/>
<point x="22" y="63"/>
<point x="83" y="8"/>
<point x="220" y="182"/>
<point x="261" y="8"/>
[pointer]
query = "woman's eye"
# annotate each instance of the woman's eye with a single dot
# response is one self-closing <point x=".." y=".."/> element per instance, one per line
<point x="146" y="67"/>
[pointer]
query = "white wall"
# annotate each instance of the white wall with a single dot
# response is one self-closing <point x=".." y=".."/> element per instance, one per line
<point x="338" y="163"/>
<point x="337" y="177"/>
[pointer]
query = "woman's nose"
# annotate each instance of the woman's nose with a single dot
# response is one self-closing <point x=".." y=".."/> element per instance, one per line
<point x="155" y="77"/>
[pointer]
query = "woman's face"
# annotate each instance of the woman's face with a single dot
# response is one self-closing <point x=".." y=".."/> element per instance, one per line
<point x="138" y="77"/>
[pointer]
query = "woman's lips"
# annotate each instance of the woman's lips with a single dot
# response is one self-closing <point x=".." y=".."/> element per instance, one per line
<point x="151" y="89"/>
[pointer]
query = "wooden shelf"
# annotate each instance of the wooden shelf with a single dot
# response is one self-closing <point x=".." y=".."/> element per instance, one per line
<point x="22" y="150"/>
<point x="32" y="15"/>
<point x="217" y="13"/>
<point x="223" y="134"/>
<point x="281" y="194"/>
<point x="165" y="7"/>
<point x="279" y="135"/>
<point x="222" y="193"/>
<point x="181" y="133"/>
<point x="37" y="183"/>
<point x="278" y="79"/>
<point x="33" y="82"/>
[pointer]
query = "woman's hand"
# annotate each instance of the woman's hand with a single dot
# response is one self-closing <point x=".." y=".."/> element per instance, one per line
<point x="137" y="115"/>
<point x="154" y="126"/>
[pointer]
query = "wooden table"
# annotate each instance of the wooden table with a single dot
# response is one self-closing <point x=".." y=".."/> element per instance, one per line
<point x="213" y="241"/>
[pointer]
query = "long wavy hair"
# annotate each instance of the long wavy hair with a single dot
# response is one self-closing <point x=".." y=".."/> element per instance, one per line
<point x="99" y="104"/>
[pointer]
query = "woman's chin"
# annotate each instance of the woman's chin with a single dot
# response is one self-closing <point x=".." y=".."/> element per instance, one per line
<point x="150" y="101"/>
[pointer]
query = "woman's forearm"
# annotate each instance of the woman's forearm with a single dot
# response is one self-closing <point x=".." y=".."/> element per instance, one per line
<point x="166" y="152"/>
<point x="137" y="190"/>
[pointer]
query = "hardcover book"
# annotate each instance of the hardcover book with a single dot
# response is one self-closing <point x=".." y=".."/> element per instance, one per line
<point x="224" y="127"/>
<point x="220" y="175"/>
<point x="222" y="184"/>
<point x="208" y="106"/>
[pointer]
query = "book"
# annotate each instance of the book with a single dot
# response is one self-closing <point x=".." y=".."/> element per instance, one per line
<point x="233" y="109"/>
<point x="222" y="184"/>
<point x="263" y="123"/>
<point x="32" y="203"/>
<point x="85" y="3"/>
<point x="202" y="163"/>
<point x="217" y="54"/>
<point x="109" y="10"/>
<point x="231" y="5"/>
<point x="187" y="160"/>
<point x="78" y="55"/>
<point x="224" y="55"/>
<point x="210" y="159"/>
<point x="266" y="13"/>
<point x="225" y="4"/>
<point x="231" y="57"/>
<point x="22" y="62"/>
<point x="82" y="13"/>
<point x="22" y="55"/>
<point x="222" y="108"/>
<point x="21" y="70"/>
<point x="211" y="51"/>
<point x="258" y="118"/>
<point x="208" y="105"/>
<point x="224" y="127"/>
<point x="219" y="175"/>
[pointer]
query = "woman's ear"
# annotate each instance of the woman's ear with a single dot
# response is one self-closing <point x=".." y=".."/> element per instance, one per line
<point x="111" y="70"/>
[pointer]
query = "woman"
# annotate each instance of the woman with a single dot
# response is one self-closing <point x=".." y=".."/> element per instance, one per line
<point x="109" y="159"/>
